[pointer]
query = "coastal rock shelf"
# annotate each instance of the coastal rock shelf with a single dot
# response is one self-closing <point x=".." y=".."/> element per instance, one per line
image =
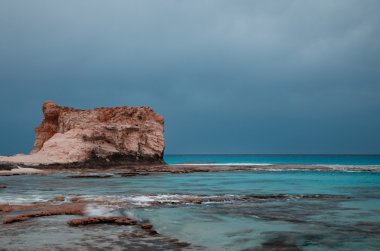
<point x="218" y="210"/>
<point x="101" y="137"/>
<point x="24" y="212"/>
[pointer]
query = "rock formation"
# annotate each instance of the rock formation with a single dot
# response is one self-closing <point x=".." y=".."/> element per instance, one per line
<point x="102" y="136"/>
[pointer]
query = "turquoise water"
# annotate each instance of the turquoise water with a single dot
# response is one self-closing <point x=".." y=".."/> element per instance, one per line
<point x="362" y="160"/>
<point x="346" y="218"/>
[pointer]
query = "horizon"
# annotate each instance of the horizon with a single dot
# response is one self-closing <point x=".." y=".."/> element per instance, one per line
<point x="273" y="154"/>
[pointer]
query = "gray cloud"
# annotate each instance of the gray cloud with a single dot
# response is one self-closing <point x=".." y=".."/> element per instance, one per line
<point x="229" y="76"/>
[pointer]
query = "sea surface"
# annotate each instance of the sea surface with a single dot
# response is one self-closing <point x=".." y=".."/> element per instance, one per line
<point x="288" y="210"/>
<point x="274" y="159"/>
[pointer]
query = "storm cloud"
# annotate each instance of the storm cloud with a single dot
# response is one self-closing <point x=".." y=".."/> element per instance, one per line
<point x="228" y="76"/>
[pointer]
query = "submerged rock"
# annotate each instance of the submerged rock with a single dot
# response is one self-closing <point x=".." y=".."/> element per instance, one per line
<point x="41" y="210"/>
<point x="101" y="220"/>
<point x="102" y="136"/>
<point x="57" y="199"/>
<point x="99" y="176"/>
<point x="280" y="245"/>
<point x="132" y="174"/>
<point x="146" y="226"/>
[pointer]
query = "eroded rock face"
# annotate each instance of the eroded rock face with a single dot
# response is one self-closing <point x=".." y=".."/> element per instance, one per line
<point x="68" y="135"/>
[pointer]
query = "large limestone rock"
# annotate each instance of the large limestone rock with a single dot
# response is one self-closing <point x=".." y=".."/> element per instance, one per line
<point x="103" y="136"/>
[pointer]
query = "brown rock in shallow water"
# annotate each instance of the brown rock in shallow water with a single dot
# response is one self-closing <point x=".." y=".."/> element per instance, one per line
<point x="90" y="176"/>
<point x="3" y="186"/>
<point x="279" y="244"/>
<point x="5" y="208"/>
<point x="8" y="174"/>
<point x="41" y="210"/>
<point x="57" y="199"/>
<point x="102" y="136"/>
<point x="14" y="219"/>
<point x="146" y="226"/>
<point x="132" y="174"/>
<point x="182" y="244"/>
<point x="102" y="219"/>
<point x="128" y="174"/>
<point x="153" y="232"/>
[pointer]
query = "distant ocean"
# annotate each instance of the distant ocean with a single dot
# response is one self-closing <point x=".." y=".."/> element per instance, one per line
<point x="273" y="159"/>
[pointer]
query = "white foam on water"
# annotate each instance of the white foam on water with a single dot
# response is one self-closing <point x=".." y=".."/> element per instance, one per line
<point x="312" y="167"/>
<point x="142" y="200"/>
<point x="100" y="198"/>
<point x="131" y="214"/>
<point x="273" y="169"/>
<point x="25" y="199"/>
<point x="96" y="210"/>
<point x="146" y="200"/>
<point x="106" y="205"/>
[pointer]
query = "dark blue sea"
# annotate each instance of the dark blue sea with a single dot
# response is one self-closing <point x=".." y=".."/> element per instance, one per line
<point x="272" y="159"/>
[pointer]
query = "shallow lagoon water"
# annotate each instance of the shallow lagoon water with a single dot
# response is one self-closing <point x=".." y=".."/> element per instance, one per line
<point x="348" y="221"/>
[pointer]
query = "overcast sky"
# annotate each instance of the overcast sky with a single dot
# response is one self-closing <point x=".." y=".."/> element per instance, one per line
<point x="228" y="76"/>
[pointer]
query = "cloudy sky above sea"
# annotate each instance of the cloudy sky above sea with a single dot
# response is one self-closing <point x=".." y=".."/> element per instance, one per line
<point x="292" y="76"/>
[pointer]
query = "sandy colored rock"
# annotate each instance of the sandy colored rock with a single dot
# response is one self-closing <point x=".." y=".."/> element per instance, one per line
<point x="107" y="135"/>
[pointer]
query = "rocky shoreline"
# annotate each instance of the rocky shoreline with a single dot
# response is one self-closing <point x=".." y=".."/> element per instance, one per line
<point x="78" y="206"/>
<point x="147" y="169"/>
<point x="16" y="214"/>
<point x="116" y="160"/>
<point x="113" y="214"/>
